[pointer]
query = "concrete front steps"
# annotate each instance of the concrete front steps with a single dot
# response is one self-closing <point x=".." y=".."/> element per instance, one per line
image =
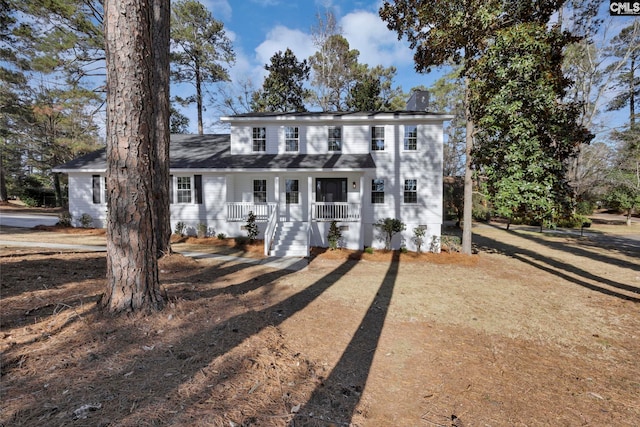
<point x="291" y="239"/>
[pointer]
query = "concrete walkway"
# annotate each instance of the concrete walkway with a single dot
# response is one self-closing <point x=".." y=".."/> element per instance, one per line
<point x="286" y="263"/>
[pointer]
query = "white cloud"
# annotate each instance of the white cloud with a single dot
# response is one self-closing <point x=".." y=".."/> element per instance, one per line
<point x="220" y="9"/>
<point x="278" y="40"/>
<point x="378" y="45"/>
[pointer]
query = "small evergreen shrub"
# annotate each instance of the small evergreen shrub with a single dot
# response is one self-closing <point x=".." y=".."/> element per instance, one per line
<point x="181" y="228"/>
<point x="368" y="250"/>
<point x="221" y="236"/>
<point x="202" y="230"/>
<point x="418" y="236"/>
<point x="65" y="219"/>
<point x="388" y="228"/>
<point x="252" y="227"/>
<point x="334" y="235"/>
<point x="86" y="220"/>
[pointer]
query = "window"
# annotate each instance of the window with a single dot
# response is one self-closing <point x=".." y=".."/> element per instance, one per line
<point x="377" y="138"/>
<point x="411" y="191"/>
<point x="335" y="138"/>
<point x="259" y="190"/>
<point x="97" y="189"/>
<point x="259" y="139"/>
<point x="184" y="189"/>
<point x="411" y="138"/>
<point x="377" y="191"/>
<point x="291" y="140"/>
<point x="292" y="195"/>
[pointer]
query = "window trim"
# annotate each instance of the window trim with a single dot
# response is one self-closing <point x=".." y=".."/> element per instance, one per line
<point x="291" y="139"/>
<point x="375" y="137"/>
<point x="408" y="191"/>
<point x="259" y="192"/>
<point x="259" y="142"/>
<point x="377" y="190"/>
<point x="290" y="193"/>
<point x="332" y="141"/>
<point x="196" y="192"/>
<point x="408" y="139"/>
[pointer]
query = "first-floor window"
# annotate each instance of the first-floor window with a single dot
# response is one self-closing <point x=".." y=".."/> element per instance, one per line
<point x="411" y="191"/>
<point x="292" y="192"/>
<point x="97" y="189"/>
<point x="259" y="190"/>
<point x="377" y="191"/>
<point x="184" y="189"/>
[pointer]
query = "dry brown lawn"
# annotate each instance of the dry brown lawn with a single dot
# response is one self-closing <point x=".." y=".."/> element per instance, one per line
<point x="534" y="330"/>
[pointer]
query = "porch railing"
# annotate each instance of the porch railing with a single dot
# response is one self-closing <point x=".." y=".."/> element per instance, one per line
<point x="238" y="211"/>
<point x="270" y="231"/>
<point x="326" y="211"/>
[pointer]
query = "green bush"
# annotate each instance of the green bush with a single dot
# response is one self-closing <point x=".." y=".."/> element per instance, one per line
<point x="181" y="228"/>
<point x="368" y="250"/>
<point x="65" y="220"/>
<point x="574" y="221"/>
<point x="418" y="236"/>
<point x="251" y="226"/>
<point x="334" y="235"/>
<point x="202" y="230"/>
<point x="388" y="227"/>
<point x="221" y="236"/>
<point x="86" y="220"/>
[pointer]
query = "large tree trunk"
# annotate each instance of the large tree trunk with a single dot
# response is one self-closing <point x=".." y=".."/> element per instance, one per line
<point x="161" y="37"/>
<point x="132" y="265"/>
<point x="468" y="178"/>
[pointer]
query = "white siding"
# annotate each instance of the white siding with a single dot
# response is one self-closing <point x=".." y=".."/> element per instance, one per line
<point x="81" y="199"/>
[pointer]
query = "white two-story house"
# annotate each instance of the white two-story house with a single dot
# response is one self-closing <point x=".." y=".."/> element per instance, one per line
<point x="297" y="172"/>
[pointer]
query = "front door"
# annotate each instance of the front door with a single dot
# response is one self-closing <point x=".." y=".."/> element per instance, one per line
<point x="331" y="190"/>
<point x="293" y="200"/>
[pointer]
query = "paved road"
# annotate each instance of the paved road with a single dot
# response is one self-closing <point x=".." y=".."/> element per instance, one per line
<point x="15" y="219"/>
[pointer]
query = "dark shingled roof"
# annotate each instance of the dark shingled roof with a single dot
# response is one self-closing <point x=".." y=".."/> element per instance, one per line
<point x="213" y="152"/>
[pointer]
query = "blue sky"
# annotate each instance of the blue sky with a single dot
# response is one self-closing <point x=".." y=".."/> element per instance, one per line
<point x="260" y="28"/>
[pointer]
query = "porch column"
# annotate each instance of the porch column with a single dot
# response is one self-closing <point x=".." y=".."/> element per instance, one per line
<point x="361" y="190"/>
<point x="276" y="195"/>
<point x="309" y="198"/>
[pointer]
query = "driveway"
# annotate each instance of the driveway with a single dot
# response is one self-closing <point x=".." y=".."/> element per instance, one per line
<point x="26" y="220"/>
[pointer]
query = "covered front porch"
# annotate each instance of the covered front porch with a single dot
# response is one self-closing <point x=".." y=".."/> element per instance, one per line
<point x="299" y="209"/>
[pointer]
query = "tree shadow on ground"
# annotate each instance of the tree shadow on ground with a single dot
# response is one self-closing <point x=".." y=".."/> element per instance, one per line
<point x="569" y="272"/>
<point x="340" y="393"/>
<point x="118" y="377"/>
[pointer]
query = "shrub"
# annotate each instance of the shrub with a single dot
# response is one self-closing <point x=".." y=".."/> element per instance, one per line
<point x="251" y="226"/>
<point x="573" y="221"/>
<point x="418" y="236"/>
<point x="202" y="230"/>
<point x="334" y="235"/>
<point x="180" y="228"/>
<point x="389" y="227"/>
<point x="86" y="220"/>
<point x="221" y="236"/>
<point x="368" y="250"/>
<point x="452" y="243"/>
<point x="65" y="219"/>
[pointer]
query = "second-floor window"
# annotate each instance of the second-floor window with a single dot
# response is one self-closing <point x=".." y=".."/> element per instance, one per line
<point x="377" y="138"/>
<point x="377" y="191"/>
<point x="259" y="190"/>
<point x="410" y="138"/>
<point x="335" y="138"/>
<point x="291" y="140"/>
<point x="411" y="191"/>
<point x="292" y="192"/>
<point x="259" y="139"/>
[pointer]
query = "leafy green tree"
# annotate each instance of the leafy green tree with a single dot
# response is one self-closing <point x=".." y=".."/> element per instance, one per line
<point x="457" y="32"/>
<point x="624" y="177"/>
<point x="283" y="88"/>
<point x="525" y="133"/>
<point x="365" y="95"/>
<point x="626" y="47"/>
<point x="179" y="123"/>
<point x="200" y="50"/>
